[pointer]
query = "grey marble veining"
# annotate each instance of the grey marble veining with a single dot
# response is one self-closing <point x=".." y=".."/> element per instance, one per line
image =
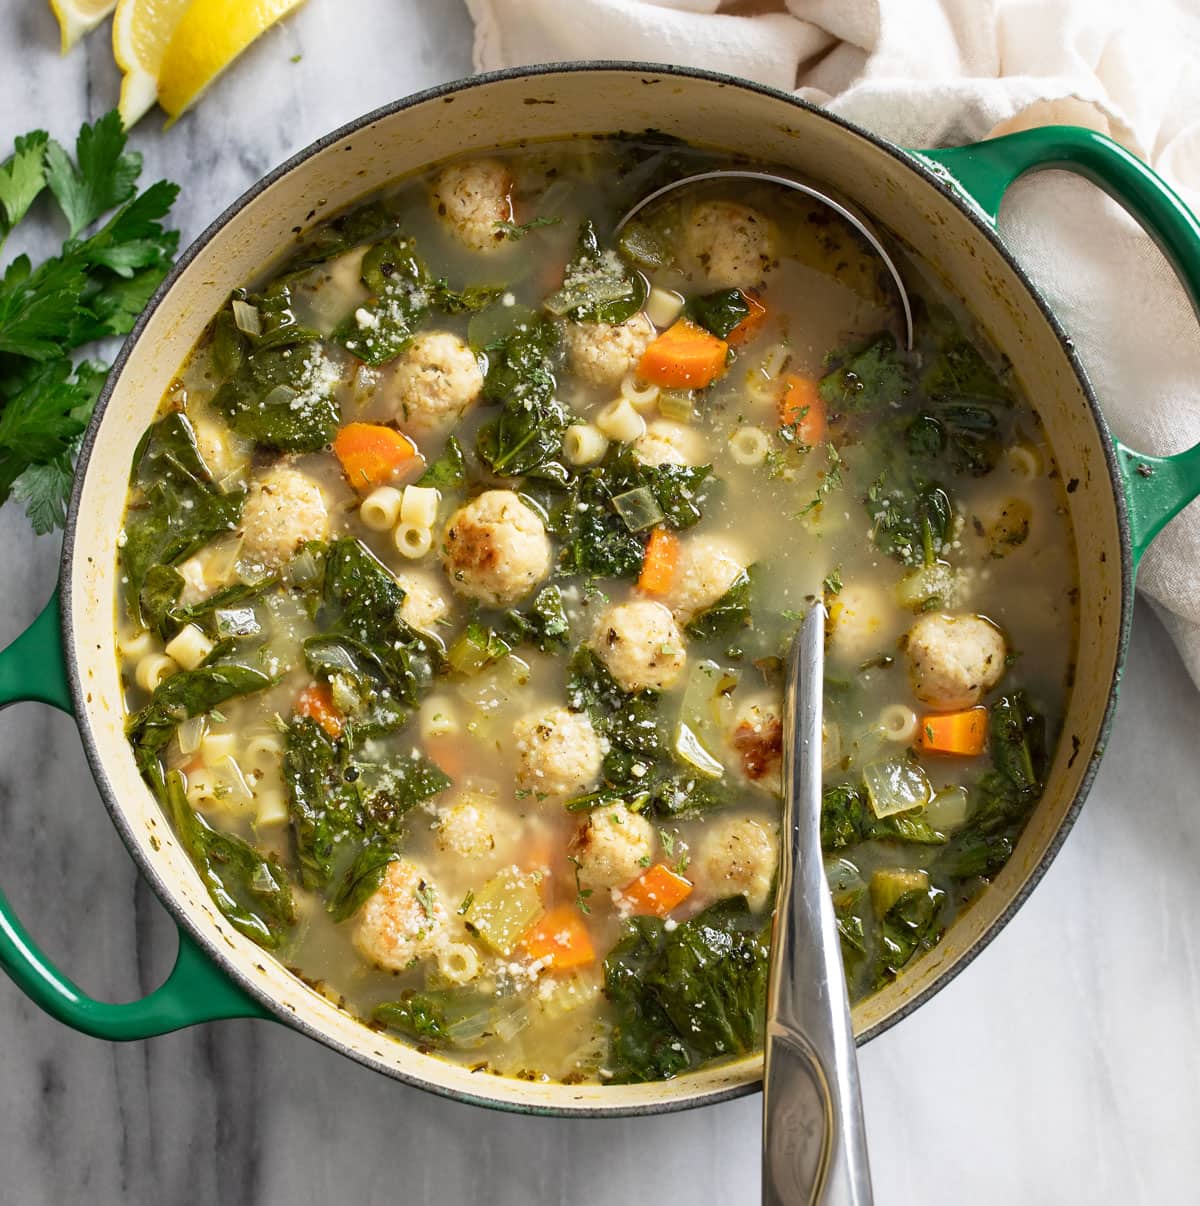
<point x="1061" y="1067"/>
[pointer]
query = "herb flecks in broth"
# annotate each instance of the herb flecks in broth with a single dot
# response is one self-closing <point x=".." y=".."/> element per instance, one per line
<point x="459" y="568"/>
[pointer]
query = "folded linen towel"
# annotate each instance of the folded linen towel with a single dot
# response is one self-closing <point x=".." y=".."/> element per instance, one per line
<point x="945" y="72"/>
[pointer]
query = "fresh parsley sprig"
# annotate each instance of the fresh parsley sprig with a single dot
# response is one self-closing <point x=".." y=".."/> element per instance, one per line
<point x="94" y="288"/>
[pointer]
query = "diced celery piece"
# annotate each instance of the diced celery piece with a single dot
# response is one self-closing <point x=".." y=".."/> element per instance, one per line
<point x="890" y="883"/>
<point x="702" y="718"/>
<point x="677" y="404"/>
<point x="638" y="508"/>
<point x="504" y="908"/>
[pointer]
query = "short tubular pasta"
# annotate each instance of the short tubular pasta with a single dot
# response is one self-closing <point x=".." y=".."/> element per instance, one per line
<point x="663" y="306"/>
<point x="749" y="445"/>
<point x="215" y="746"/>
<point x="412" y="540"/>
<point x="263" y="753"/>
<point x="1023" y="461"/>
<point x="775" y="359"/>
<point x="458" y="962"/>
<point x="619" y="421"/>
<point x="270" y="807"/>
<point x="899" y="723"/>
<point x="641" y="395"/>
<point x="380" y="510"/>
<point x="419" y="506"/>
<point x="137" y="644"/>
<point x="584" y="444"/>
<point x="153" y="669"/>
<point x="201" y="789"/>
<point x="189" y="647"/>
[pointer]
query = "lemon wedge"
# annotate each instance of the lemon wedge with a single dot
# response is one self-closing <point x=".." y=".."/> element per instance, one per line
<point x="209" y="36"/>
<point x="77" y="17"/>
<point x="142" y="30"/>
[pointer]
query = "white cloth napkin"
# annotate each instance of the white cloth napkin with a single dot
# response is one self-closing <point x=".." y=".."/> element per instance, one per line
<point x="946" y="72"/>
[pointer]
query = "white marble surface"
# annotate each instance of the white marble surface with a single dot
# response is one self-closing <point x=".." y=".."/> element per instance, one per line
<point x="1062" y="1067"/>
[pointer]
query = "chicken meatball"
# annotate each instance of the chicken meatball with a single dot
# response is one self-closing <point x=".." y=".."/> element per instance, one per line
<point x="424" y="605"/>
<point x="641" y="645"/>
<point x="603" y="352"/>
<point x="729" y="244"/>
<point x="495" y="549"/>
<point x="283" y="509"/>
<point x="738" y="857"/>
<point x="862" y="622"/>
<point x="433" y="384"/>
<point x="613" y="848"/>
<point x="707" y="568"/>
<point x="666" y="442"/>
<point x="953" y="660"/>
<point x="472" y="199"/>
<point x="472" y="827"/>
<point x="403" y="920"/>
<point x="558" y="754"/>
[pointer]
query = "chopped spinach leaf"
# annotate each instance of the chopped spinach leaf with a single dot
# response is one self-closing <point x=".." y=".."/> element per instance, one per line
<point x="183" y="695"/>
<point x="526" y="438"/>
<point x="513" y="231"/>
<point x="360" y="612"/>
<point x="958" y="372"/>
<point x="598" y="286"/>
<point x="718" y="312"/>
<point x="361" y="880"/>
<point x="401" y="296"/>
<point x="449" y="471"/>
<point x="336" y="801"/>
<point x="1004" y="796"/>
<point x="867" y="376"/>
<point x="250" y="889"/>
<point x="283" y="398"/>
<point x="450" y="1017"/>
<point x="688" y="995"/>
<point x="912" y="924"/>
<point x="912" y="518"/>
<point x="728" y="614"/>
<point x="598" y="540"/>
<point x="180" y="510"/>
<point x="847" y="819"/>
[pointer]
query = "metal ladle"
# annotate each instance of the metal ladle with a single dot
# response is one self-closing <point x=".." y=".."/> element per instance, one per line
<point x="814" y="1139"/>
<point x="839" y="207"/>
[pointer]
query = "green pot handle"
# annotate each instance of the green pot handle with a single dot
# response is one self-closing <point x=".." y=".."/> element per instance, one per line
<point x="1156" y="487"/>
<point x="32" y="668"/>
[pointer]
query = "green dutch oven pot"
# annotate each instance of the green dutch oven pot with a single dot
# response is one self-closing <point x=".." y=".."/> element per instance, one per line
<point x="943" y="204"/>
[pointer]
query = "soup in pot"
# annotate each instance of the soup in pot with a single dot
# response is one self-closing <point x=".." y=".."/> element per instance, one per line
<point x="458" y="570"/>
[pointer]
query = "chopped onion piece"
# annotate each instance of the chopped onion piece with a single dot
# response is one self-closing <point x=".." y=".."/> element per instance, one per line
<point x="949" y="809"/>
<point x="190" y="733"/>
<point x="231" y="785"/>
<point x="896" y="785"/>
<point x="688" y="746"/>
<point x="304" y="567"/>
<point x="247" y="318"/>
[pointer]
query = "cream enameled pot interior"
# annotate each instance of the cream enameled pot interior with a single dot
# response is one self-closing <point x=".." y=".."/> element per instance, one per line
<point x="558" y="104"/>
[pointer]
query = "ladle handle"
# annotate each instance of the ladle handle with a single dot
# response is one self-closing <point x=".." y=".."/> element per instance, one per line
<point x="814" y="1139"/>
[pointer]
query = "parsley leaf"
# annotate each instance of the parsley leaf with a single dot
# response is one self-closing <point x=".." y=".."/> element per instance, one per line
<point x="95" y="287"/>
